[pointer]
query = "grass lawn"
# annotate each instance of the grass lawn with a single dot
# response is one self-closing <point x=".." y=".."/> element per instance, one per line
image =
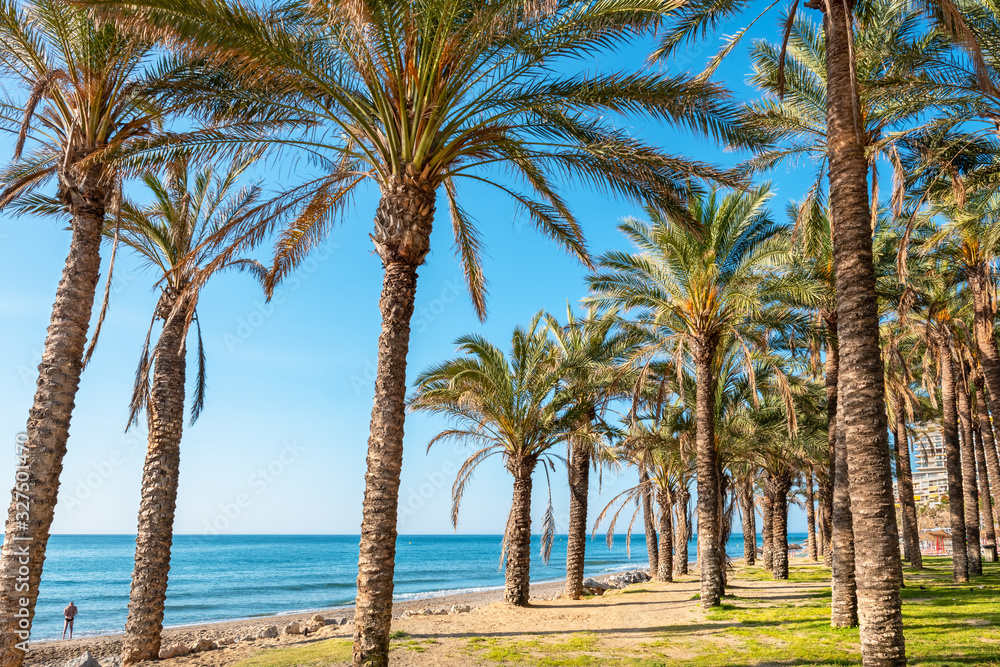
<point x="947" y="625"/>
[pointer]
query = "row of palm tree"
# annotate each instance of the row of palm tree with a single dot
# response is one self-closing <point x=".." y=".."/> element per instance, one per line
<point x="693" y="339"/>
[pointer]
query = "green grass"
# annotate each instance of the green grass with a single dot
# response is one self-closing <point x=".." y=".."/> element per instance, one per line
<point x="321" y="653"/>
<point x="946" y="625"/>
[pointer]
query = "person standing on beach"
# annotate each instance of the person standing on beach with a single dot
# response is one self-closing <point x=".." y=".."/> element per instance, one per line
<point x="69" y="613"/>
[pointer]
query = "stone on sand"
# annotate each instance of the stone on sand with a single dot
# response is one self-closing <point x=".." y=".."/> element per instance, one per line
<point x="85" y="660"/>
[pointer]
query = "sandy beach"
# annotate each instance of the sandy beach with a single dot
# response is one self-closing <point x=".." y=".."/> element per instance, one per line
<point x="106" y="648"/>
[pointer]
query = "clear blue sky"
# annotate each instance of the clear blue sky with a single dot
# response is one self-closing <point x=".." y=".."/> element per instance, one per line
<point x="290" y="383"/>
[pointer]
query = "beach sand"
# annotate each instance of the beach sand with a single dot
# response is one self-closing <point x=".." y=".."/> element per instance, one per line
<point x="624" y="620"/>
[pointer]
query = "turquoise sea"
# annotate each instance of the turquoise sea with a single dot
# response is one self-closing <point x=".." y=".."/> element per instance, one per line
<point x="216" y="578"/>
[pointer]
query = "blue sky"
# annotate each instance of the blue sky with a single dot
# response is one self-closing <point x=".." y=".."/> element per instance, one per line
<point x="281" y="445"/>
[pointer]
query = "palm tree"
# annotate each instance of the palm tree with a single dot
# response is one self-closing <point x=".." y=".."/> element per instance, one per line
<point x="698" y="285"/>
<point x="939" y="322"/>
<point x="656" y="443"/>
<point x="168" y="235"/>
<point x="900" y="401"/>
<point x="508" y="405"/>
<point x="412" y="97"/>
<point x="588" y="350"/>
<point x="81" y="99"/>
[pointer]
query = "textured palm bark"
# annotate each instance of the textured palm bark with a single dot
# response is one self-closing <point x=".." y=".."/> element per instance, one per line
<point x="665" y="569"/>
<point x="984" y="488"/>
<point x="517" y="572"/>
<point x="782" y="481"/>
<point x="812" y="537"/>
<point x="953" y="464"/>
<point x="989" y="445"/>
<point x="403" y="224"/>
<point x="749" y="523"/>
<point x="844" y="604"/>
<point x="576" y="540"/>
<point x="861" y="390"/>
<point x="36" y="485"/>
<point x="832" y="370"/>
<point x="683" y="531"/>
<point x="904" y="529"/>
<point x="652" y="550"/>
<point x="984" y="306"/>
<point x="707" y="466"/>
<point x="725" y="528"/>
<point x="907" y="503"/>
<point x="144" y="625"/>
<point x="970" y="495"/>
<point x="766" y="532"/>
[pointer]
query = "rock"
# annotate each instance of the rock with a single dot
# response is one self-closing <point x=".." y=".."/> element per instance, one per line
<point x="337" y="621"/>
<point x="425" y="612"/>
<point x="203" y="644"/>
<point x="406" y="614"/>
<point x="318" y="618"/>
<point x="85" y="660"/>
<point x="270" y="632"/>
<point x="459" y="609"/>
<point x="595" y="584"/>
<point x="248" y="638"/>
<point x="312" y="627"/>
<point x="174" y="651"/>
<point x="292" y="628"/>
<point x="226" y="641"/>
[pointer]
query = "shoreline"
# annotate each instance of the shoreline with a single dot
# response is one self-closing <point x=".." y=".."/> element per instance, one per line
<point x="106" y="648"/>
<point x="348" y="610"/>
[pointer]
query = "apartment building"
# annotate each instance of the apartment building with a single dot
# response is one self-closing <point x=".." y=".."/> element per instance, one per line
<point x="930" y="478"/>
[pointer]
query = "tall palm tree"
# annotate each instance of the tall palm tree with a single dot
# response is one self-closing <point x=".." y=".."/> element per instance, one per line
<point x="588" y="350"/>
<point x="901" y="400"/>
<point x="412" y="97"/>
<point x="698" y="285"/>
<point x="168" y="235"/>
<point x="508" y="405"/>
<point x="939" y="323"/>
<point x="80" y="99"/>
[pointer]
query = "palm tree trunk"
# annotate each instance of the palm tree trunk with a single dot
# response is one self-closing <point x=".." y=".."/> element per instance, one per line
<point x="779" y="525"/>
<point x="664" y="571"/>
<point x="650" y="526"/>
<point x="725" y="528"/>
<point x="984" y="487"/>
<point x="969" y="486"/>
<point x="144" y="625"/>
<point x="861" y="390"/>
<point x="844" y="604"/>
<point x="517" y="574"/>
<point x="812" y="536"/>
<point x="36" y="485"/>
<point x="908" y="506"/>
<point x="953" y="463"/>
<point x="683" y="532"/>
<point x="767" y="532"/>
<point x="403" y="223"/>
<point x="749" y="524"/>
<point x="832" y="371"/>
<point x="576" y="541"/>
<point x="989" y="446"/>
<point x="984" y="304"/>
<point x="707" y="466"/>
